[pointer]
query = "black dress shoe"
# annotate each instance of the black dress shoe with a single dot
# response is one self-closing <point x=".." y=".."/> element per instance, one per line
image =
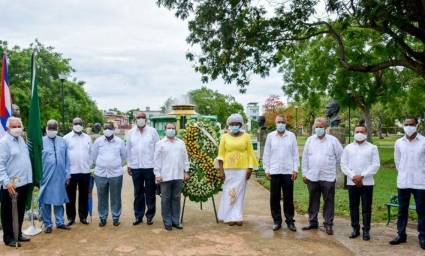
<point x="398" y="240"/>
<point x="13" y="244"/>
<point x="277" y="226"/>
<point x="329" y="230"/>
<point x="291" y="226"/>
<point x="102" y="223"/>
<point x="355" y="233"/>
<point x="422" y="244"/>
<point x="116" y="223"/>
<point x="149" y="221"/>
<point x="366" y="236"/>
<point x="178" y="226"/>
<point x="84" y="221"/>
<point x="310" y="227"/>
<point x="64" y="227"/>
<point x="23" y="238"/>
<point x="168" y="228"/>
<point x="137" y="221"/>
<point x="70" y="223"/>
<point x="48" y="230"/>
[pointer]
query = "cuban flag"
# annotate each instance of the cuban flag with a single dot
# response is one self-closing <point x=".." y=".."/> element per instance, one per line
<point x="6" y="99"/>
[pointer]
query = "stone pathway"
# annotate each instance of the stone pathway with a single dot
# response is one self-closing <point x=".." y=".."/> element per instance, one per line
<point x="202" y="236"/>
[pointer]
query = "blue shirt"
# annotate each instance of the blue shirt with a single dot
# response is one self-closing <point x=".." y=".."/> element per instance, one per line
<point x="14" y="161"/>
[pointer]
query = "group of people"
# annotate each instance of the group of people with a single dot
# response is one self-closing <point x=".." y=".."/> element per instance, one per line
<point x="153" y="162"/>
<point x="67" y="163"/>
<point x="359" y="161"/>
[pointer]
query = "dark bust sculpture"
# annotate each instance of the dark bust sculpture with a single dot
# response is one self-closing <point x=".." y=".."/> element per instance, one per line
<point x="16" y="111"/>
<point x="332" y="110"/>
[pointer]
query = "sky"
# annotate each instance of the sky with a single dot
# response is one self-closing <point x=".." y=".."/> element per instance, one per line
<point x="130" y="53"/>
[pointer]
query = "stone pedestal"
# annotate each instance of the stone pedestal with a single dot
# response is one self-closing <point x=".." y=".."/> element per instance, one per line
<point x="339" y="133"/>
<point x="261" y="137"/>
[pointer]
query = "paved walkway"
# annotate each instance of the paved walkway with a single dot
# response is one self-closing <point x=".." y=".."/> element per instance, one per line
<point x="202" y="236"/>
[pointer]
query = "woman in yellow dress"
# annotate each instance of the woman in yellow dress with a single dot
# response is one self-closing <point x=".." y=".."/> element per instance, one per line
<point x="236" y="161"/>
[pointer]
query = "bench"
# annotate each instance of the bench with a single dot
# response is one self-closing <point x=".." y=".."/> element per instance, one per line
<point x="394" y="203"/>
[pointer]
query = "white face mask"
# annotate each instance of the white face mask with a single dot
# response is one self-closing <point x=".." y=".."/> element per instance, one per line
<point x="16" y="132"/>
<point x="141" y="122"/>
<point x="360" y="136"/>
<point x="51" y="134"/>
<point x="170" y="133"/>
<point x="77" y="128"/>
<point x="409" y="130"/>
<point x="108" y="133"/>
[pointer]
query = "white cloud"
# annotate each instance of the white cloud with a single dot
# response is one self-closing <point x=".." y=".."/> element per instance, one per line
<point x="130" y="52"/>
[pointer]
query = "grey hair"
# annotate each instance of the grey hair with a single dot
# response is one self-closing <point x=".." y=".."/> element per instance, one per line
<point x="77" y="119"/>
<point x="320" y="120"/>
<point x="235" y="118"/>
<point x="12" y="118"/>
<point x="52" y="121"/>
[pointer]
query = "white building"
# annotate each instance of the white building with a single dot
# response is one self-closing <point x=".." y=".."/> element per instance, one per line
<point x="253" y="112"/>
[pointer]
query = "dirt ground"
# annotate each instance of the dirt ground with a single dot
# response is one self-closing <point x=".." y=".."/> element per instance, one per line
<point x="202" y="236"/>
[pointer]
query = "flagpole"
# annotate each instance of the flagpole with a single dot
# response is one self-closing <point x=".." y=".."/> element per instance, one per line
<point x="34" y="138"/>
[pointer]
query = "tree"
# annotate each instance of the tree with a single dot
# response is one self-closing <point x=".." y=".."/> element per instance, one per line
<point x="240" y="38"/>
<point x="167" y="105"/>
<point x="209" y="102"/>
<point x="273" y="106"/>
<point x="312" y="66"/>
<point x="49" y="65"/>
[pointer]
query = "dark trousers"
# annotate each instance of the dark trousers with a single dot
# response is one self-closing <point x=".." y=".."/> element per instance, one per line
<point x="80" y="181"/>
<point x="144" y="192"/>
<point x="170" y="201"/>
<point x="365" y="194"/>
<point x="325" y="189"/>
<point x="282" y="183"/>
<point x="403" y="211"/>
<point x="6" y="212"/>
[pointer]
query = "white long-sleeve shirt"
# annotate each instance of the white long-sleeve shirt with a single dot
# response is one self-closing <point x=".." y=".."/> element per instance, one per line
<point x="171" y="159"/>
<point x="141" y="147"/>
<point x="320" y="158"/>
<point x="360" y="159"/>
<point x="109" y="157"/>
<point x="409" y="157"/>
<point x="280" y="153"/>
<point x="79" y="151"/>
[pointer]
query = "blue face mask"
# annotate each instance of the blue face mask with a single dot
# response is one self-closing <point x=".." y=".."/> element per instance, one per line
<point x="171" y="133"/>
<point x="234" y="129"/>
<point x="319" y="131"/>
<point x="280" y="127"/>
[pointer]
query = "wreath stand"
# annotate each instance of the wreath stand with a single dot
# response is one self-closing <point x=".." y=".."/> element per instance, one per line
<point x="213" y="203"/>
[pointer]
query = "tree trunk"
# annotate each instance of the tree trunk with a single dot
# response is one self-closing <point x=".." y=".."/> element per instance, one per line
<point x="368" y="122"/>
<point x="379" y="129"/>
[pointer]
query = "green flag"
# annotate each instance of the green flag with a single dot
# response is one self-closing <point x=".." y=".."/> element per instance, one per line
<point x="35" y="142"/>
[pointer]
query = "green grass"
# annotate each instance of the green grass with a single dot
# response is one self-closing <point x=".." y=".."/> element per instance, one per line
<point x="385" y="187"/>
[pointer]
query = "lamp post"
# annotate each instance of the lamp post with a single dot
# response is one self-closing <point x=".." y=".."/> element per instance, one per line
<point x="62" y="78"/>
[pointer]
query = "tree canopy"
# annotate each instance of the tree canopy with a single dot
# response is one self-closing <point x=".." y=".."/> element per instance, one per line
<point x="238" y="38"/>
<point x="50" y="64"/>
<point x="209" y="102"/>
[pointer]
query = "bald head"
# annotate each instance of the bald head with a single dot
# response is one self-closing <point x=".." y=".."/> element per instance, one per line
<point x="77" y="121"/>
<point x="141" y="115"/>
<point x="52" y="125"/>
